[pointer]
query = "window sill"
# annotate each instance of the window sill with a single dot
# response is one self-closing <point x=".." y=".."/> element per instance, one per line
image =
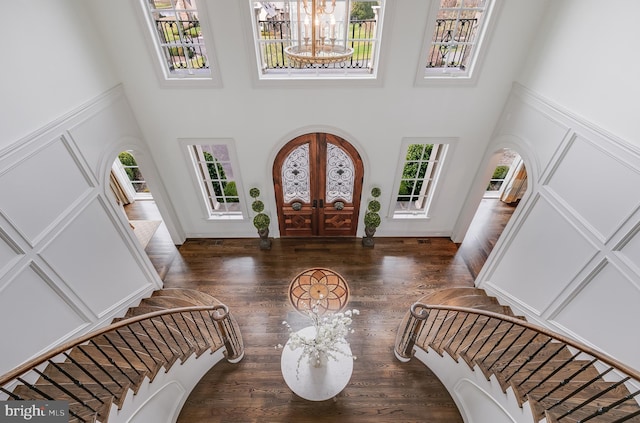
<point x="226" y="217"/>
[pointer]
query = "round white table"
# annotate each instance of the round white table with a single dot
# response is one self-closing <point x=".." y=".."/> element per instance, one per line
<point x="316" y="383"/>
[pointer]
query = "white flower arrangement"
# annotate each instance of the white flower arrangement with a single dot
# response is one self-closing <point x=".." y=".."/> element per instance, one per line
<point x="330" y="331"/>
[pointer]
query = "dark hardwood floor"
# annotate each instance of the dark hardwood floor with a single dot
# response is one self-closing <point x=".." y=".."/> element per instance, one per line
<point x="384" y="281"/>
<point x="161" y="250"/>
<point x="487" y="225"/>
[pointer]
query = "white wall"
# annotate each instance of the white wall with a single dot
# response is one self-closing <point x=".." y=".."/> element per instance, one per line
<point x="479" y="400"/>
<point x="162" y="399"/>
<point x="68" y="260"/>
<point x="585" y="61"/>
<point x="569" y="257"/>
<point x="261" y="119"/>
<point x="53" y="62"/>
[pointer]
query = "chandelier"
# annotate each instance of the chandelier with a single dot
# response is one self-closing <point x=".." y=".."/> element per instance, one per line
<point x="317" y="35"/>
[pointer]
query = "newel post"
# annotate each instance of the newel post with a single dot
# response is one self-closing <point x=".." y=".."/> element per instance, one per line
<point x="409" y="331"/>
<point x="230" y="334"/>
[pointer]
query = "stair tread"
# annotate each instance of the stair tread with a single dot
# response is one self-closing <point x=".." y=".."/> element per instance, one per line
<point x="445" y="296"/>
<point x="530" y="364"/>
<point x="197" y="297"/>
<point x="166" y="302"/>
<point x="100" y="373"/>
<point x="86" y="409"/>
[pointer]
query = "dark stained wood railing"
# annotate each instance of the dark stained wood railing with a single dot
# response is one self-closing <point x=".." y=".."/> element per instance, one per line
<point x="97" y="370"/>
<point x="563" y="380"/>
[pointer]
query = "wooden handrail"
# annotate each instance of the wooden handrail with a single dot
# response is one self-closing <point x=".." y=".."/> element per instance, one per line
<point x="559" y="376"/>
<point x="35" y="362"/>
<point x="539" y="329"/>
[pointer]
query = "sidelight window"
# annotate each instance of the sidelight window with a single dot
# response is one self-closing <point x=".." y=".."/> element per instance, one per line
<point x="218" y="180"/>
<point x="420" y="169"/>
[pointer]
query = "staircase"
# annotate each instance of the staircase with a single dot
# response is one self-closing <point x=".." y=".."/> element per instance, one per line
<point x="561" y="379"/>
<point x="98" y="370"/>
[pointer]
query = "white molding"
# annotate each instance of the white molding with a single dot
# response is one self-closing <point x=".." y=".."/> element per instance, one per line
<point x="617" y="249"/>
<point x="93" y="191"/>
<point x="531" y="97"/>
<point x="126" y="233"/>
<point x="506" y="238"/>
<point x="56" y="125"/>
<point x="517" y="305"/>
<point x="571" y="213"/>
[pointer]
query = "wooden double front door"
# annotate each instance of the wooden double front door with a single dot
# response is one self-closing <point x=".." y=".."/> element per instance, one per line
<point x="318" y="182"/>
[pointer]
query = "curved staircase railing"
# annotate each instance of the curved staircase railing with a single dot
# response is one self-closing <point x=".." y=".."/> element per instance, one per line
<point x="563" y="380"/>
<point x="98" y="369"/>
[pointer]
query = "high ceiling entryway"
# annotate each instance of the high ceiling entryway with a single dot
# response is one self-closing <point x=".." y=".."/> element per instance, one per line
<point x="318" y="182"/>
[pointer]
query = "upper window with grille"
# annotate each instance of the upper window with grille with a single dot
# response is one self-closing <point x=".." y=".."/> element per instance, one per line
<point x="317" y="39"/>
<point x="179" y="40"/>
<point x="454" y="38"/>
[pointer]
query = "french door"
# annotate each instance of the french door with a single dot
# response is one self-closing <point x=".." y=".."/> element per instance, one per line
<point x="318" y="182"/>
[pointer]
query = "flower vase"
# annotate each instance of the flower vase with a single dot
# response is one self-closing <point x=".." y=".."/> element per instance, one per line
<point x="318" y="359"/>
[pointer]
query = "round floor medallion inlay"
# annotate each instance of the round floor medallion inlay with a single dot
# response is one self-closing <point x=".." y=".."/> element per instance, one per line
<point x="322" y="287"/>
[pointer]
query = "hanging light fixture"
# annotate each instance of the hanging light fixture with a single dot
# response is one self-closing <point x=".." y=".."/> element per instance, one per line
<point x="318" y="39"/>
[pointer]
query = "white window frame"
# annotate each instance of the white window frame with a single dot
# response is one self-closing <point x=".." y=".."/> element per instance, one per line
<point x="431" y="181"/>
<point x="290" y="76"/>
<point x="123" y="180"/>
<point x="203" y="182"/>
<point x="515" y="164"/>
<point x="200" y="79"/>
<point x="430" y="76"/>
<point x="126" y="183"/>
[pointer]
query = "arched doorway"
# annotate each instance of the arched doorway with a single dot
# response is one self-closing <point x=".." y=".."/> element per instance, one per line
<point x="317" y="180"/>
<point x="506" y="186"/>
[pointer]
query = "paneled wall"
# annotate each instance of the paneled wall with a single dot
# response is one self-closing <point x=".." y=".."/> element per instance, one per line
<point x="68" y="260"/>
<point x="570" y="257"/>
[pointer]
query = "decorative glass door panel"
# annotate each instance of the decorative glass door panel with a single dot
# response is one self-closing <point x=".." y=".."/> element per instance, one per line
<point x="318" y="182"/>
<point x="295" y="175"/>
<point x="340" y="173"/>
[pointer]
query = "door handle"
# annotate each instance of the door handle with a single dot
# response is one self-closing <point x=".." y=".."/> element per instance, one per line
<point x="321" y="203"/>
<point x="315" y="203"/>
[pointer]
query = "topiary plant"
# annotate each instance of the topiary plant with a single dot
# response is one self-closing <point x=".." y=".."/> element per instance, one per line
<point x="257" y="206"/>
<point x="374" y="206"/>
<point x="261" y="221"/>
<point x="372" y="220"/>
<point x="254" y="192"/>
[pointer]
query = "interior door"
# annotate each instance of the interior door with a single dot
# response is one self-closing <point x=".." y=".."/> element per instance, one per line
<point x="318" y="182"/>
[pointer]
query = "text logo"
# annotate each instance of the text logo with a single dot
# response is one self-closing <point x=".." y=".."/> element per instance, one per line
<point x="34" y="411"/>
